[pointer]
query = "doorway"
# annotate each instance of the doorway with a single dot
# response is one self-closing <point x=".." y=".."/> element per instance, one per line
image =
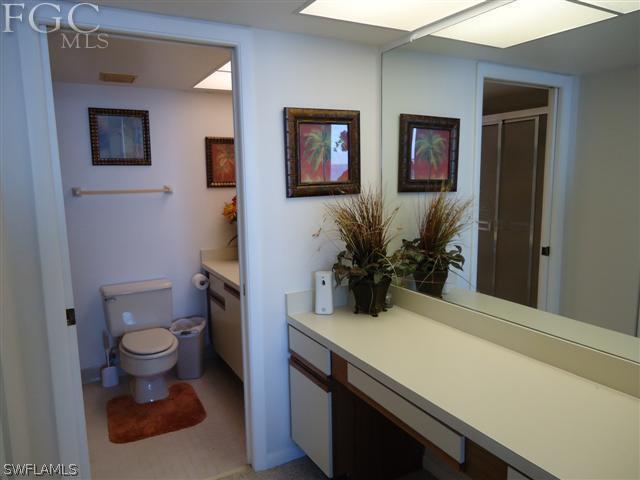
<point x="124" y="226"/>
<point x="512" y="176"/>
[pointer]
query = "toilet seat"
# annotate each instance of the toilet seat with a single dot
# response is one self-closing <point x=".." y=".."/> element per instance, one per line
<point x="147" y="343"/>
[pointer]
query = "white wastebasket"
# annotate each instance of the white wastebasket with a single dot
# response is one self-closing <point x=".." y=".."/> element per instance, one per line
<point x="190" y="334"/>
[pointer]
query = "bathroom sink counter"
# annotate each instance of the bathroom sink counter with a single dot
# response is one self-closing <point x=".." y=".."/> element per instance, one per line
<point x="223" y="263"/>
<point x="544" y="421"/>
<point x="228" y="270"/>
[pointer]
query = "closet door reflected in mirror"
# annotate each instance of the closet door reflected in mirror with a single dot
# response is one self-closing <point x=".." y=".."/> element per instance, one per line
<point x="510" y="206"/>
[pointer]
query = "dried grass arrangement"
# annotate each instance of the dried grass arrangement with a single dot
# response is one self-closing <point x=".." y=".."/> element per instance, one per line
<point x="441" y="219"/>
<point x="364" y="225"/>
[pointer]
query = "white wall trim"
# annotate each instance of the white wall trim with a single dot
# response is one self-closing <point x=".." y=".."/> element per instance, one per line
<point x="48" y="202"/>
<point x="556" y="177"/>
<point x="497" y="117"/>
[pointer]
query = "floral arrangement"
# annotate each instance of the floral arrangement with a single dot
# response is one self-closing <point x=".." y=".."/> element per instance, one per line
<point x="230" y="210"/>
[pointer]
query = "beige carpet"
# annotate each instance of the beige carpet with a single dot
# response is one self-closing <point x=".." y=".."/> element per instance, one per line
<point x="301" y="469"/>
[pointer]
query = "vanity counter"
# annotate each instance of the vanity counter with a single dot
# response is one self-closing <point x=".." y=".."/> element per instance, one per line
<point x="544" y="421"/>
<point x="228" y="270"/>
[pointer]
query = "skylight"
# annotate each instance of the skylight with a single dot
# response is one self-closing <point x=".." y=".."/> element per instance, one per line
<point x="399" y="14"/>
<point x="218" y="80"/>
<point x="522" y="21"/>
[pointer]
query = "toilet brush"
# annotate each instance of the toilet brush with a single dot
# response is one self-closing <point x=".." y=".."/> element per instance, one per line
<point x="110" y="372"/>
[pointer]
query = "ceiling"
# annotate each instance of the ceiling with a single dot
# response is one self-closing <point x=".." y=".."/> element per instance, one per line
<point x="501" y="97"/>
<point x="606" y="45"/>
<point x="602" y="46"/>
<point x="268" y="14"/>
<point x="175" y="65"/>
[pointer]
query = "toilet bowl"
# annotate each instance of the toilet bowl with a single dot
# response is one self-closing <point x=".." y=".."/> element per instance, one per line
<point x="139" y="314"/>
<point x="147" y="355"/>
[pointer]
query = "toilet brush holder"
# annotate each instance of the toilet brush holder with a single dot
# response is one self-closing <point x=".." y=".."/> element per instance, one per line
<point x="110" y="376"/>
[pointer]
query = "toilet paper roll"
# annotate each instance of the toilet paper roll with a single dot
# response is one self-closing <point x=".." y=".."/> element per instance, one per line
<point x="200" y="281"/>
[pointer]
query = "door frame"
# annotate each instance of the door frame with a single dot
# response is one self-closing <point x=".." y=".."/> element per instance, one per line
<point x="51" y="225"/>
<point x="559" y="152"/>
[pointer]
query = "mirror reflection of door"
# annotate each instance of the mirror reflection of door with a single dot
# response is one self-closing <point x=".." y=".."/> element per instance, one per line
<point x="511" y="189"/>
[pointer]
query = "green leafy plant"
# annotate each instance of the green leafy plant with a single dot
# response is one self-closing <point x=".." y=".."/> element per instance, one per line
<point x="364" y="227"/>
<point x="440" y="220"/>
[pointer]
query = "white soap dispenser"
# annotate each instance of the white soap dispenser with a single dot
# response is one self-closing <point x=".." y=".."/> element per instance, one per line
<point x="324" y="292"/>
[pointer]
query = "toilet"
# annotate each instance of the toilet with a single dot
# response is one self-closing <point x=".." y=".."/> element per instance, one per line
<point x="139" y="315"/>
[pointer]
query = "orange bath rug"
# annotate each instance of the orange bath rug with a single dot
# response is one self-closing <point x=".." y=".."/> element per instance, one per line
<point x="129" y="421"/>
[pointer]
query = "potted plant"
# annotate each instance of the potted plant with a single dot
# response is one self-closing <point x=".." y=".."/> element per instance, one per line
<point x="429" y="257"/>
<point x="363" y="225"/>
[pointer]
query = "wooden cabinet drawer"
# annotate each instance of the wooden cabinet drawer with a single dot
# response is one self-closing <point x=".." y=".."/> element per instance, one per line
<point x="310" y="350"/>
<point x="311" y="418"/>
<point x="431" y="429"/>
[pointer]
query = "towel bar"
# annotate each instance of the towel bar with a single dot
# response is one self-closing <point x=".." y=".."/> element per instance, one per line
<point x="79" y="192"/>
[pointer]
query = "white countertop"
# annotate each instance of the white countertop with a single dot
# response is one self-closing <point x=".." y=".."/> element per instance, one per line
<point x="228" y="270"/>
<point x="542" y="420"/>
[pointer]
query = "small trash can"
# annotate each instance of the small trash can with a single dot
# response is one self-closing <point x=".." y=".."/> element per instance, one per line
<point x="190" y="334"/>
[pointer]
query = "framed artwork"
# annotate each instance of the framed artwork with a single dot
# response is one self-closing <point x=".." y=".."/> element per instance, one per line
<point x="428" y="159"/>
<point x="322" y="151"/>
<point x="221" y="162"/>
<point x="119" y="137"/>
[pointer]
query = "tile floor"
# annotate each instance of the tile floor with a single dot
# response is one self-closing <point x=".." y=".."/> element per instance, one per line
<point x="207" y="450"/>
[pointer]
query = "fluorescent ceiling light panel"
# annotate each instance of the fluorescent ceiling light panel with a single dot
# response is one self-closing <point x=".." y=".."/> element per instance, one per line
<point x="218" y="80"/>
<point x="522" y="21"/>
<point x="622" y="6"/>
<point x="399" y="14"/>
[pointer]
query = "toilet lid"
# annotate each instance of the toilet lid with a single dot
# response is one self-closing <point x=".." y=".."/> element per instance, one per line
<point x="147" y="342"/>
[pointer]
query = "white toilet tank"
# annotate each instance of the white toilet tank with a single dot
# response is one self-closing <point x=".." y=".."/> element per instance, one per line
<point x="137" y="305"/>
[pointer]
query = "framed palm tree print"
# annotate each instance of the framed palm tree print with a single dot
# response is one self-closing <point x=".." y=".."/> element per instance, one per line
<point x="428" y="159"/>
<point x="322" y="150"/>
<point x="221" y="163"/>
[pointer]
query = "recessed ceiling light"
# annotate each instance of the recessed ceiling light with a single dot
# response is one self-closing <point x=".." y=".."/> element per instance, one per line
<point x="622" y="6"/>
<point x="218" y="80"/>
<point x="399" y="14"/>
<point x="522" y="21"/>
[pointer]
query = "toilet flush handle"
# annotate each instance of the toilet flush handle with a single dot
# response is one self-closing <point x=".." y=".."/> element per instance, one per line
<point x="109" y="299"/>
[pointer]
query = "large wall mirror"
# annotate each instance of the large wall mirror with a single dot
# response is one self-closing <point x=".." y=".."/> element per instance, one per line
<point x="547" y="151"/>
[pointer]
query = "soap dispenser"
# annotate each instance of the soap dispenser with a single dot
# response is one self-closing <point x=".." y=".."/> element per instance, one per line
<point x="324" y="292"/>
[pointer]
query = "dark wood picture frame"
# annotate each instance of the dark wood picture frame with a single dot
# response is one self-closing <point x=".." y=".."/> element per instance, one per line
<point x="407" y="124"/>
<point x="94" y="133"/>
<point x="211" y="178"/>
<point x="293" y="119"/>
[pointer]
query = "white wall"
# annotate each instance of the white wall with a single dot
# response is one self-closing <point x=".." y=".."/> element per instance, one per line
<point x="120" y="238"/>
<point x="602" y="248"/>
<point x="26" y="385"/>
<point x="424" y="84"/>
<point x="300" y="71"/>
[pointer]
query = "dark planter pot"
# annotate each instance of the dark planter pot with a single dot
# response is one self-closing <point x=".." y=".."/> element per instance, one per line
<point x="431" y="283"/>
<point x="370" y="297"/>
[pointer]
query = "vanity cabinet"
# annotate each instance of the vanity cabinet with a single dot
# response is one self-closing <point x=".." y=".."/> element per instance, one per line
<point x="225" y="322"/>
<point x="355" y="427"/>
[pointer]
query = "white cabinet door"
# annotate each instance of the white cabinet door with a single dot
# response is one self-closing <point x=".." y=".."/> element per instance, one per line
<point x="311" y="419"/>
<point x="226" y="328"/>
